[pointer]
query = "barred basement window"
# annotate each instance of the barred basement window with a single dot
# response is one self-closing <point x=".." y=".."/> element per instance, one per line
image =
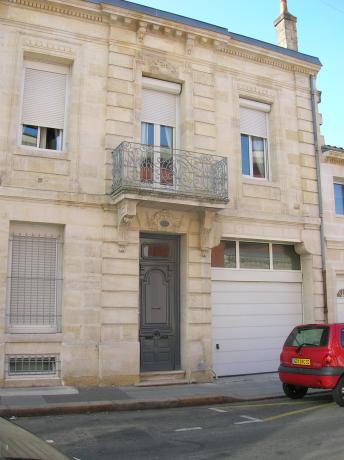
<point x="35" y="281"/>
<point x="32" y="365"/>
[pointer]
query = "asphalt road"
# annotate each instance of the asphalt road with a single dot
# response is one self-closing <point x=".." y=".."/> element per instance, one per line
<point x="311" y="428"/>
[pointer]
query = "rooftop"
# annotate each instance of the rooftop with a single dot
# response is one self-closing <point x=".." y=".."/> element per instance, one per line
<point x="206" y="26"/>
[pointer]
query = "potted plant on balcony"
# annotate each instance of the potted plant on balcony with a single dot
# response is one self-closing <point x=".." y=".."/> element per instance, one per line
<point x="146" y="170"/>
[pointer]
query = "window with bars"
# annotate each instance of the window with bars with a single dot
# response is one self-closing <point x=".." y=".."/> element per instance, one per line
<point x="44" y="104"/>
<point x="22" y="365"/>
<point x="35" y="282"/>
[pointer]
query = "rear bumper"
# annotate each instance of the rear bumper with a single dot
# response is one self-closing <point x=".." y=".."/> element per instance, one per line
<point x="326" y="377"/>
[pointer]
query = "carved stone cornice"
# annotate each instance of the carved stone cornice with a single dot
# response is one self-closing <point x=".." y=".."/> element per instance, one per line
<point x="268" y="60"/>
<point x="334" y="156"/>
<point x="60" y="9"/>
<point x="51" y="46"/>
<point x="107" y="13"/>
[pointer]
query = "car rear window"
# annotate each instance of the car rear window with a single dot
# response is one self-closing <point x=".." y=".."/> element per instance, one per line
<point x="308" y="336"/>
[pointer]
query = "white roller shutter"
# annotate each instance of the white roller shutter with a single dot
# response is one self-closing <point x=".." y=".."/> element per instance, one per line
<point x="44" y="98"/>
<point x="253" y="118"/>
<point x="158" y="107"/>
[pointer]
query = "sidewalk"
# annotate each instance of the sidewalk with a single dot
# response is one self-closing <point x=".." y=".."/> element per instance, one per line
<point x="63" y="400"/>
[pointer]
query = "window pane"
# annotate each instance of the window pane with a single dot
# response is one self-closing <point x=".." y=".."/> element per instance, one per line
<point x="217" y="255"/>
<point x="258" y="157"/>
<point x="147" y="133"/>
<point x="285" y="257"/>
<point x="245" y="155"/>
<point x="224" y="255"/>
<point x="30" y="135"/>
<point x="230" y="254"/>
<point x="254" y="255"/>
<point x="156" y="250"/>
<point x="166" y="137"/>
<point x="339" y="198"/>
<point x="308" y="336"/>
<point x="50" y="138"/>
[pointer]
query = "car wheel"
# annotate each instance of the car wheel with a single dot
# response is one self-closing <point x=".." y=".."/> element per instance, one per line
<point x="294" y="391"/>
<point x="338" y="392"/>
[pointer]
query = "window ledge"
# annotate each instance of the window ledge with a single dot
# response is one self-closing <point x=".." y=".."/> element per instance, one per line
<point x="14" y="336"/>
<point x="257" y="181"/>
<point x="41" y="153"/>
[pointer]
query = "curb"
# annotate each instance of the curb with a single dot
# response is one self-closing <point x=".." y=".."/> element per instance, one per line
<point x="120" y="406"/>
<point x="112" y="406"/>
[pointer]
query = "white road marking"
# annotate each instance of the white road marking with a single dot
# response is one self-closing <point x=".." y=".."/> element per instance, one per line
<point x="249" y="420"/>
<point x="190" y="429"/>
<point x="215" y="409"/>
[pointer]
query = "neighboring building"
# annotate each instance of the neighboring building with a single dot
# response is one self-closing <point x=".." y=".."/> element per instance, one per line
<point x="133" y="142"/>
<point x="332" y="169"/>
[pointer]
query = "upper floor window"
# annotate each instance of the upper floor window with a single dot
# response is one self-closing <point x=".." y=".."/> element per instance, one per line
<point x="158" y="129"/>
<point x="339" y="198"/>
<point x="44" y="105"/>
<point x="254" y="139"/>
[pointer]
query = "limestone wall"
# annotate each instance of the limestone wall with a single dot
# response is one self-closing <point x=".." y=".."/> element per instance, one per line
<point x="108" y="51"/>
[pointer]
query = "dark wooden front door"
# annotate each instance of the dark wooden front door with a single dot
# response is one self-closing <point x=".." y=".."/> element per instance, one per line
<point x="159" y="303"/>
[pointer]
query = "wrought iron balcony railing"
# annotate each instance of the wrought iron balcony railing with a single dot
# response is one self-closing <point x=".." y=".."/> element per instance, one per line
<point x="145" y="168"/>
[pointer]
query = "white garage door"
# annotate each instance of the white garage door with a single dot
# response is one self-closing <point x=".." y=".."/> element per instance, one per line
<point x="253" y="312"/>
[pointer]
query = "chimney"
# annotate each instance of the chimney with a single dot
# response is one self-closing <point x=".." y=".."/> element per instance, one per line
<point x="285" y="26"/>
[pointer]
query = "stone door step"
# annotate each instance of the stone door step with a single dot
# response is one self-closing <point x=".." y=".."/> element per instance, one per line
<point x="162" y="378"/>
<point x="155" y="383"/>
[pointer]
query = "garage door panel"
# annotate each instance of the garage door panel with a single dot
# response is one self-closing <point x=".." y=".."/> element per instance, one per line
<point x="254" y="332"/>
<point x="240" y="368"/>
<point x="251" y="321"/>
<point x="261" y="297"/>
<point x="261" y="310"/>
<point x="237" y="345"/>
<point x="234" y="286"/>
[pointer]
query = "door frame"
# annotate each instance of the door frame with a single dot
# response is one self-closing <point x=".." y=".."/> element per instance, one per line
<point x="177" y="313"/>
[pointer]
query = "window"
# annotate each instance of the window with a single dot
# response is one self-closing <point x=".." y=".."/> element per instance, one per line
<point x="34" y="278"/>
<point x="158" y="130"/>
<point x="254" y="139"/>
<point x="339" y="198"/>
<point x="285" y="257"/>
<point x="308" y="336"/>
<point x="255" y="255"/>
<point x="43" y="109"/>
<point x="21" y="365"/>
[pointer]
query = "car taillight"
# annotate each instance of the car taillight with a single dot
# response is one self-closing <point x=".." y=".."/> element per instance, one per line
<point x="328" y="359"/>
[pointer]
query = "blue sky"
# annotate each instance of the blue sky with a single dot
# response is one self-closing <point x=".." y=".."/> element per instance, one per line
<point x="320" y="25"/>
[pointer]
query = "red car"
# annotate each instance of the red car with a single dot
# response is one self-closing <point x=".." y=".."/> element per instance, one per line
<point x="313" y="357"/>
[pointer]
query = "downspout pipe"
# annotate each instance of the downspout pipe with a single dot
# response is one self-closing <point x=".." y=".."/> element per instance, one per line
<point x="319" y="188"/>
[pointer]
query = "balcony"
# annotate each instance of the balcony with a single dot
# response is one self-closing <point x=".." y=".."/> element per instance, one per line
<point x="147" y="170"/>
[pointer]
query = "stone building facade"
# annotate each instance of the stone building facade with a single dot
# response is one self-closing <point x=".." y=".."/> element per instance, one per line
<point x="106" y="241"/>
<point x="332" y="169"/>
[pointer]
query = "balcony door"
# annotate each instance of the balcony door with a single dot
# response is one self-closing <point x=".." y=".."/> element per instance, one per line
<point x="157" y="161"/>
<point x="158" y="131"/>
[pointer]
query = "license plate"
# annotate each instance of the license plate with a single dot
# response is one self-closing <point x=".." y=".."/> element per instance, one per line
<point x="301" y="361"/>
